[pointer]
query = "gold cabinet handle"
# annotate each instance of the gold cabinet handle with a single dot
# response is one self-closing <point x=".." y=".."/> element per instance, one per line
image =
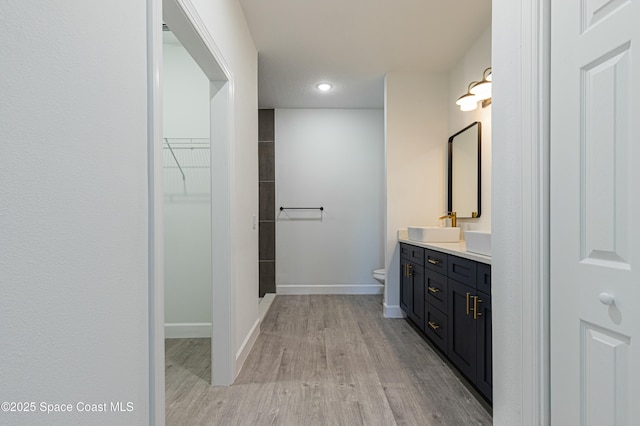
<point x="476" y="314"/>
<point x="409" y="266"/>
<point x="433" y="325"/>
<point x="433" y="261"/>
<point x="468" y="294"/>
<point x="433" y="289"/>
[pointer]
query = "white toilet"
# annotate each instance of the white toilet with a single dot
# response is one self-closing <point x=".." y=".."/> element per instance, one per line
<point x="380" y="275"/>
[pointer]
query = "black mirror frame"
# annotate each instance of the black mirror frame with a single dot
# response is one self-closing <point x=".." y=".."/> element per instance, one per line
<point x="450" y="169"/>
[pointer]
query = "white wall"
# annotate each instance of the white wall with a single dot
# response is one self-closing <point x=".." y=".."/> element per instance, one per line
<point x="187" y="236"/>
<point x="332" y="158"/>
<point x="416" y="141"/>
<point x="185" y="93"/>
<point x="520" y="212"/>
<point x="74" y="218"/>
<point x="225" y="22"/>
<point x="187" y="205"/>
<point x="468" y="69"/>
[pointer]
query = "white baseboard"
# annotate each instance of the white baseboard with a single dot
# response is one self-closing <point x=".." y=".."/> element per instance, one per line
<point x="330" y="289"/>
<point x="183" y="330"/>
<point x="265" y="304"/>
<point x="393" y="311"/>
<point x="247" y="345"/>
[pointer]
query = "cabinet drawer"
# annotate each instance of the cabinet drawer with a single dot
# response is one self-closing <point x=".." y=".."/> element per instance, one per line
<point x="435" y="326"/>
<point x="436" y="289"/>
<point x="435" y="261"/>
<point x="484" y="278"/>
<point x="412" y="253"/>
<point x="462" y="270"/>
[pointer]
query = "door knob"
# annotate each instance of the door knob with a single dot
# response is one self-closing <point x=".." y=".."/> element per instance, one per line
<point x="606" y="298"/>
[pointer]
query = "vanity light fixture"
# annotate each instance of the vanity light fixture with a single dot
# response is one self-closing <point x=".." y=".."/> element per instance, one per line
<point x="323" y="87"/>
<point x="482" y="89"/>
<point x="468" y="101"/>
<point x="478" y="91"/>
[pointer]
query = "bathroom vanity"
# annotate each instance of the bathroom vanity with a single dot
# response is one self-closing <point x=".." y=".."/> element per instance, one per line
<point x="446" y="292"/>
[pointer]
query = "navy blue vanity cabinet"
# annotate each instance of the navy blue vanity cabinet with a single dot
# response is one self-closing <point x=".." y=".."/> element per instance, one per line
<point x="449" y="298"/>
<point x="484" y="374"/>
<point x="463" y="341"/>
<point x="469" y="317"/>
<point x="412" y="283"/>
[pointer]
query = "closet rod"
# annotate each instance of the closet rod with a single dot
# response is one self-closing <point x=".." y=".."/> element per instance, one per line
<point x="301" y="208"/>
<point x="191" y="147"/>
<point x="174" y="157"/>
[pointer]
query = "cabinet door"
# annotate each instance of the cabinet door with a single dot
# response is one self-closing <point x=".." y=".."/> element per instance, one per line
<point x="416" y="311"/>
<point x="484" y="376"/>
<point x="462" y="345"/>
<point x="406" y="287"/>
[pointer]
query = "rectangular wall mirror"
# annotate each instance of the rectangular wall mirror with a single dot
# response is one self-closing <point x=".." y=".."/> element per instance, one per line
<point x="464" y="172"/>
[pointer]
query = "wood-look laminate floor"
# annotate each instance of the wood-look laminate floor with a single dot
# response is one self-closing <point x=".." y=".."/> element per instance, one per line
<point x="322" y="360"/>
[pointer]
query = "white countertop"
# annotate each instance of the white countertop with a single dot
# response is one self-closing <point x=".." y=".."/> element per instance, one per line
<point x="457" y="249"/>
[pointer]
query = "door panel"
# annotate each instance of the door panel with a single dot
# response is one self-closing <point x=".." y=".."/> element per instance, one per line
<point x="484" y="377"/>
<point x="406" y="287"/>
<point x="606" y="400"/>
<point x="595" y="165"/>
<point x="417" y="284"/>
<point x="462" y="341"/>
<point x="604" y="149"/>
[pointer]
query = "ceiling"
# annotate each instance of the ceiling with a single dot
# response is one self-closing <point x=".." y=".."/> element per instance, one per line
<point x="353" y="43"/>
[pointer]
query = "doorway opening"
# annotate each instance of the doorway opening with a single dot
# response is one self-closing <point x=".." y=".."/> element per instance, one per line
<point x="196" y="166"/>
<point x="187" y="215"/>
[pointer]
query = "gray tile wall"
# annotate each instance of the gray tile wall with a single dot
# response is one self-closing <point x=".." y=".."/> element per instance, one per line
<point x="267" y="201"/>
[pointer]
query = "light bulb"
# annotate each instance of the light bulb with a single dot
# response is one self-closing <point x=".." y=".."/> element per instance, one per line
<point x="467" y="99"/>
<point x="469" y="107"/>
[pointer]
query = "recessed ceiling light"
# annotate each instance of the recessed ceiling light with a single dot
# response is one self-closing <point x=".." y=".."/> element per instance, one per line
<point x="324" y="87"/>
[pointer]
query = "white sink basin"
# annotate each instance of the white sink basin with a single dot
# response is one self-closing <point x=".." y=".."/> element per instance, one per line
<point x="478" y="242"/>
<point x="433" y="234"/>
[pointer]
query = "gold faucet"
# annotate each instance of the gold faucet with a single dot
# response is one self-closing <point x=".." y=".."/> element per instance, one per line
<point x="452" y="215"/>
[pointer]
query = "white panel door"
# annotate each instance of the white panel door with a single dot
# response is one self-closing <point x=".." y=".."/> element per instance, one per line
<point x="595" y="212"/>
